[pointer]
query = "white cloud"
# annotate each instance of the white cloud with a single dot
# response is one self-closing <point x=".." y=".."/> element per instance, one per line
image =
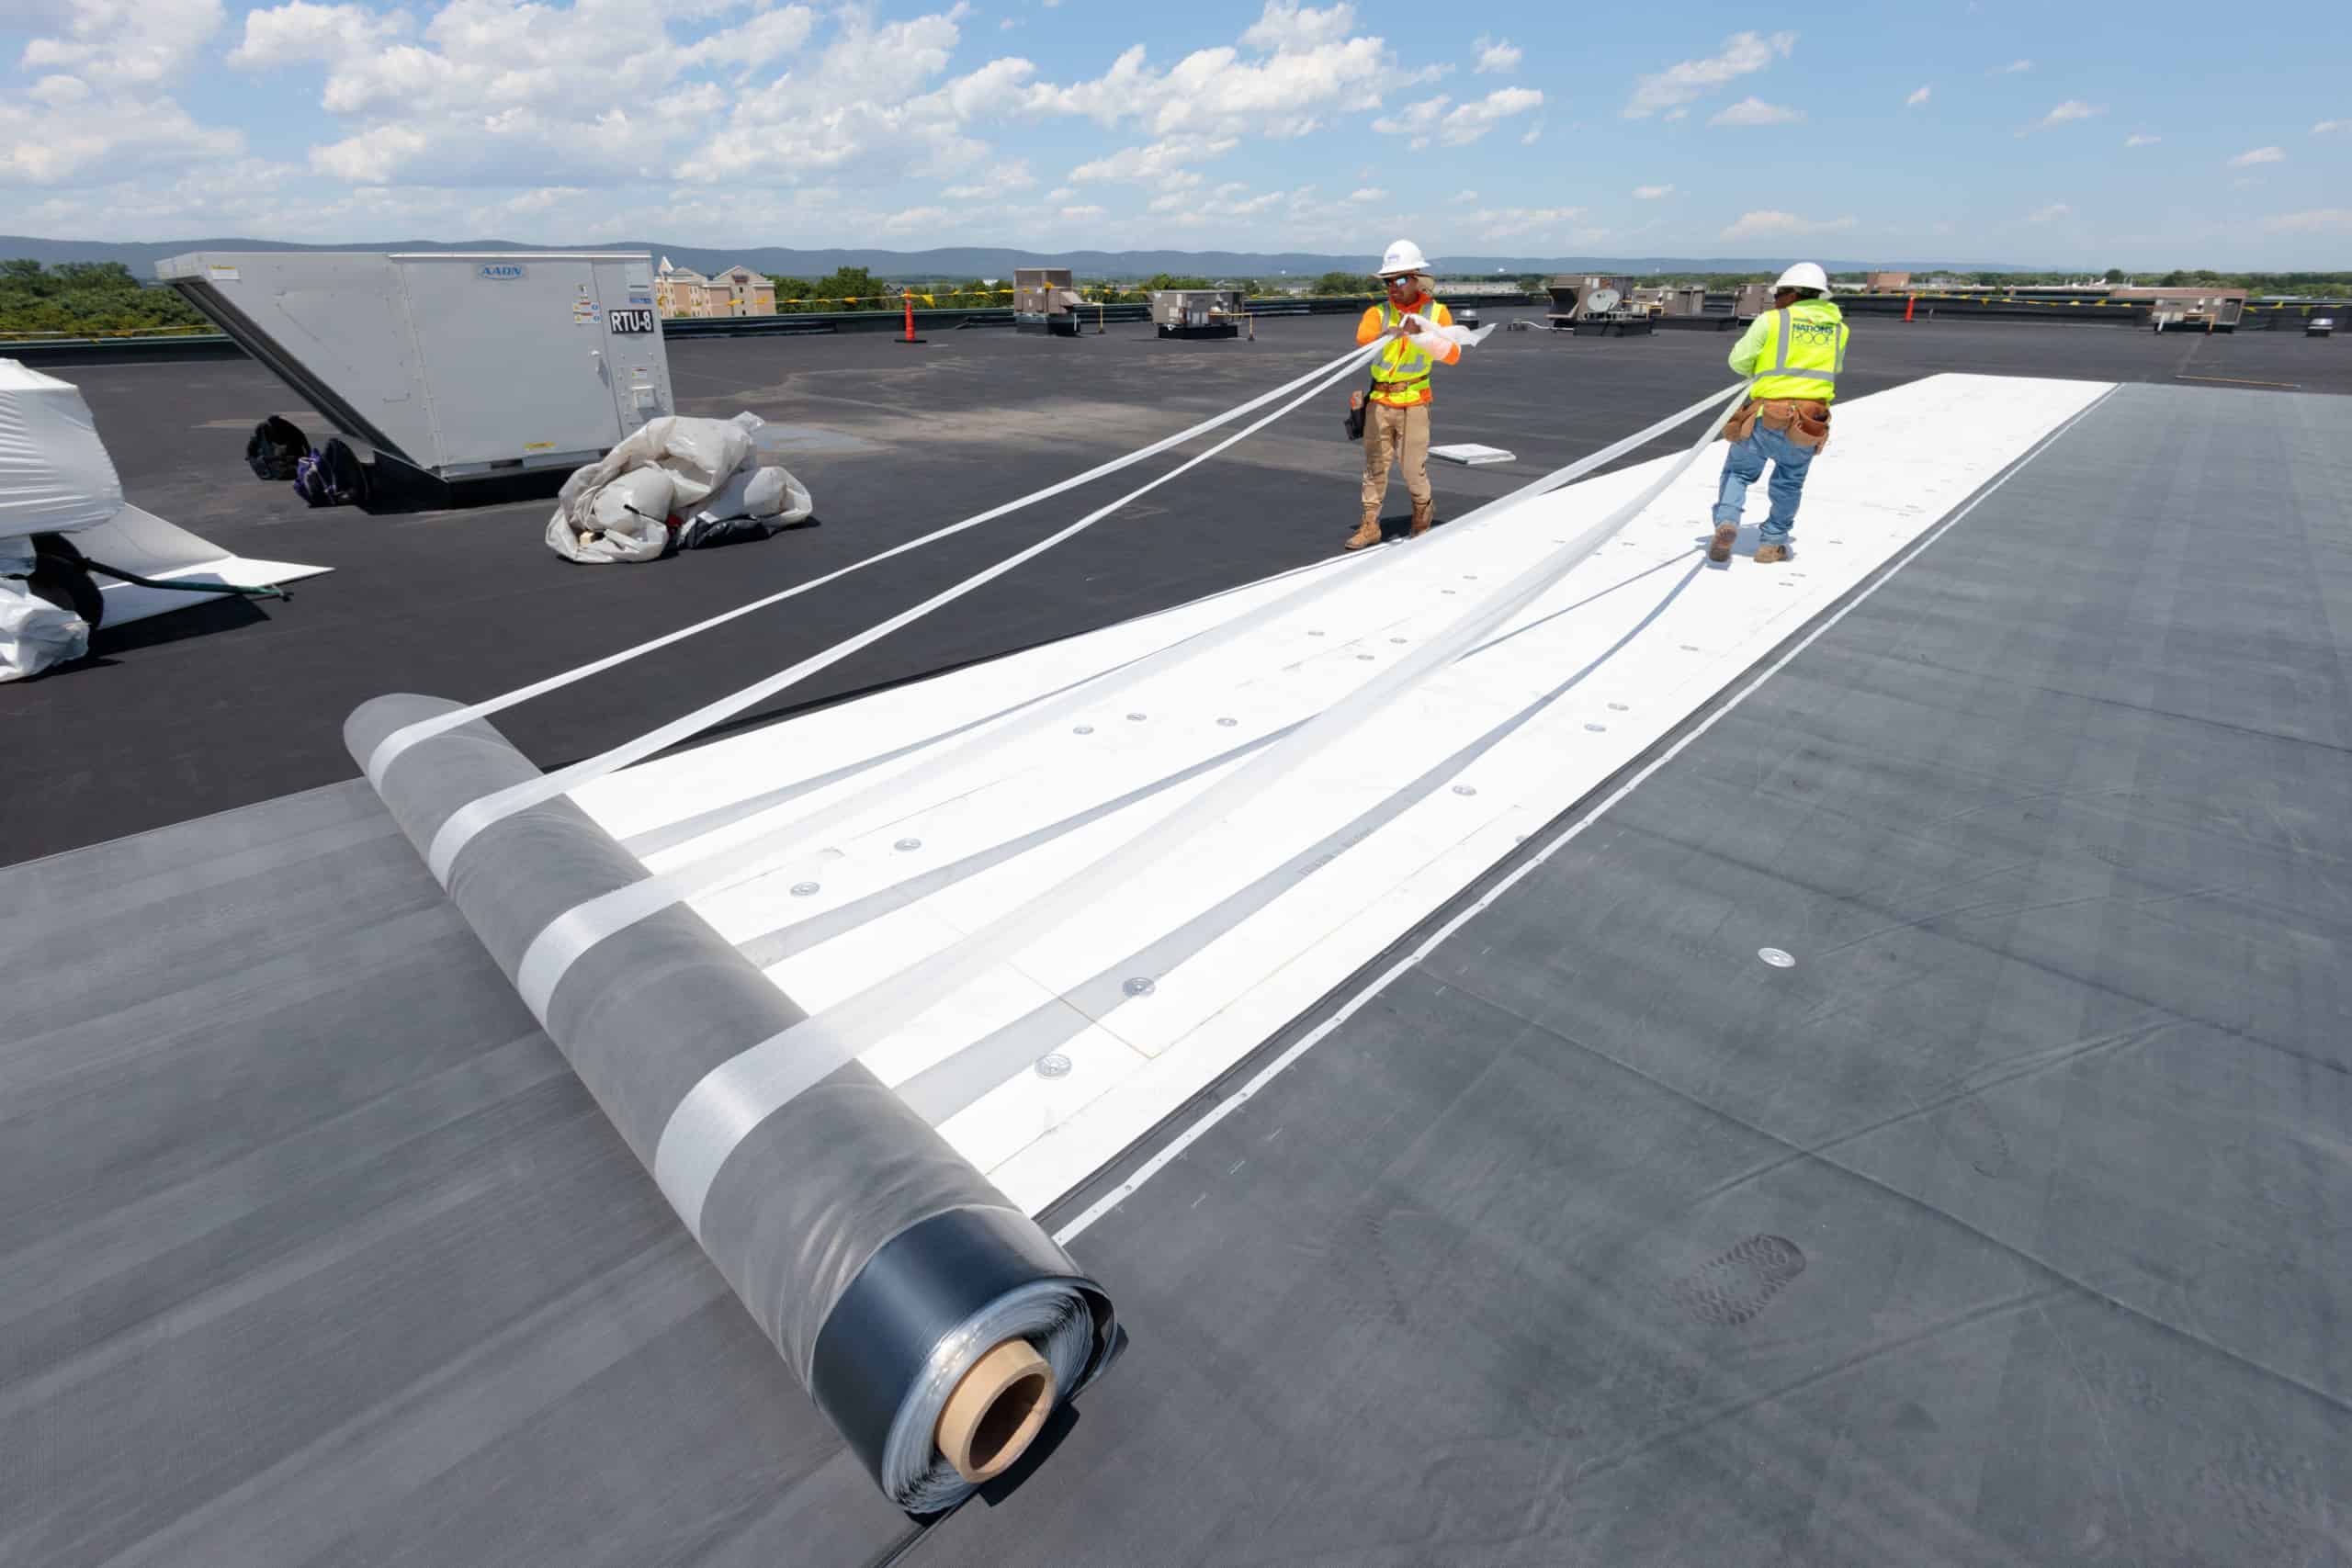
<point x="1061" y="192"/>
<point x="58" y="91"/>
<point x="1918" y="96"/>
<point x="57" y="143"/>
<point x="1464" y="196"/>
<point x="2141" y="139"/>
<point x="1693" y="79"/>
<point x="914" y="218"/>
<point x="1534" y="134"/>
<point x="1289" y="26"/>
<point x="1154" y="163"/>
<point x="96" y="113"/>
<point x="1001" y="180"/>
<point x="2072" y="110"/>
<point x="1502" y="224"/>
<point x="1369" y="193"/>
<point x="1756" y="111"/>
<point x="1231" y="200"/>
<point x="1312" y="67"/>
<point x="2259" y="155"/>
<point x="304" y="33"/>
<point x="1652" y="193"/>
<point x="1681" y="112"/>
<point x="1461" y="124"/>
<point x="1763" y="223"/>
<point x="1007" y="24"/>
<point x="2318" y="220"/>
<point x="2049" y="213"/>
<point x="130" y="43"/>
<point x="1418" y="121"/>
<point x="487" y="92"/>
<point x="1497" y="54"/>
<point x="1467" y="123"/>
<point x="2326" y="126"/>
<point x="2014" y="67"/>
<point x="1082" y="212"/>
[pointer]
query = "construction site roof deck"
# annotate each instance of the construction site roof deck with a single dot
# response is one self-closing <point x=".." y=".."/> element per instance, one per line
<point x="1835" y="1062"/>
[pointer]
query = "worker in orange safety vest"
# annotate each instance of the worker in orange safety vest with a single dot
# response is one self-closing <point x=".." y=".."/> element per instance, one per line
<point x="1397" y="427"/>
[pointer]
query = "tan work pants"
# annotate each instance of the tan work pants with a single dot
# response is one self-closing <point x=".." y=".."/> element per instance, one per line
<point x="1398" y="435"/>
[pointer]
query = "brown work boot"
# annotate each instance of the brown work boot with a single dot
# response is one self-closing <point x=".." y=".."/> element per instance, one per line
<point x="1727" y="534"/>
<point x="1422" y="511"/>
<point x="1367" y="533"/>
<point x="1772" y="555"/>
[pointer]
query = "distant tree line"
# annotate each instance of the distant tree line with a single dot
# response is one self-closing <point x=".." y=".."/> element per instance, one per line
<point x="79" y="299"/>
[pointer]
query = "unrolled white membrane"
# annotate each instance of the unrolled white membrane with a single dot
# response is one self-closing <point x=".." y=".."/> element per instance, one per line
<point x="738" y="1095"/>
<point x="765" y="839"/>
<point x="478" y="814"/>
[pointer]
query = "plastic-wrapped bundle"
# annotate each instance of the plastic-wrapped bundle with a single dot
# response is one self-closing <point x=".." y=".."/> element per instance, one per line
<point x="935" y="1324"/>
<point x="678" y="482"/>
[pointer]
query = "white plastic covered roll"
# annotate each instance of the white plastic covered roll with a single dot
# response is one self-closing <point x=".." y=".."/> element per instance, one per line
<point x="55" y="476"/>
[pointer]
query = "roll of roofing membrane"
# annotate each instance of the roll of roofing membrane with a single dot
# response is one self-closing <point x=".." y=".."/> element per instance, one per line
<point x="934" y="1323"/>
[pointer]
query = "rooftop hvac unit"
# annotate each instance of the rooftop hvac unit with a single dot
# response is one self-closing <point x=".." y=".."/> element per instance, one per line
<point x="1576" y="299"/>
<point x="463" y="367"/>
<point x="1045" y="300"/>
<point x="1197" y="312"/>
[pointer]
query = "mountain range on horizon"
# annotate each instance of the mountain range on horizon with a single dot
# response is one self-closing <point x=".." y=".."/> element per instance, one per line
<point x="970" y="261"/>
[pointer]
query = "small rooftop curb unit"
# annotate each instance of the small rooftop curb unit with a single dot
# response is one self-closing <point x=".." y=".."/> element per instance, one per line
<point x="467" y="368"/>
<point x="1594" y="306"/>
<point x="1197" y="312"/>
<point x="1045" y="300"/>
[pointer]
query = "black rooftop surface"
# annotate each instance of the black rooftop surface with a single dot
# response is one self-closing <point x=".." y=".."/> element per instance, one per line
<point x="2002" y="1227"/>
<point x="216" y="707"/>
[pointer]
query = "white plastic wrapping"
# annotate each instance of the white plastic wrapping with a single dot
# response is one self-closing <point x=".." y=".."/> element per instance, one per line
<point x="55" y="476"/>
<point x="34" y="633"/>
<point x="699" y="472"/>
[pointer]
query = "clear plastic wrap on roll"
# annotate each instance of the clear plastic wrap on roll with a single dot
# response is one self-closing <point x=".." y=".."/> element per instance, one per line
<point x="934" y="1323"/>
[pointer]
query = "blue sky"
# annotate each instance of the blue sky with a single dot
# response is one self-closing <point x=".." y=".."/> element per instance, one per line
<point x="1986" y="131"/>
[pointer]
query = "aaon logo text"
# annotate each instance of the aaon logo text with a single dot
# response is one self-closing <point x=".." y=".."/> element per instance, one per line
<point x="500" y="272"/>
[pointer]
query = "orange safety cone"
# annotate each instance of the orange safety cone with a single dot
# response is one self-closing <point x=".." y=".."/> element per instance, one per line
<point x="1909" y="300"/>
<point x="911" y="321"/>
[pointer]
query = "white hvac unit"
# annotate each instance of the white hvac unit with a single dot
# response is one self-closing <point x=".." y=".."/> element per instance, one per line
<point x="465" y="367"/>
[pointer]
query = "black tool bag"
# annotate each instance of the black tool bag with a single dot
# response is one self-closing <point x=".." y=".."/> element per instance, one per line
<point x="277" y="444"/>
<point x="332" y="476"/>
<point x="1359" y="408"/>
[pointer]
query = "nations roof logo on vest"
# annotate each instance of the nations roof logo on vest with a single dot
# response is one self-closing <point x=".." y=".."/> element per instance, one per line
<point x="500" y="272"/>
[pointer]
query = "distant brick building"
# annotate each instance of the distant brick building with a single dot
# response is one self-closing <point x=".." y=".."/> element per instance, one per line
<point x="737" y="290"/>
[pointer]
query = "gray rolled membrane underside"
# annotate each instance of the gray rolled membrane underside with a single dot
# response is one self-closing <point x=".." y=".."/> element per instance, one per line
<point x="817" y="1203"/>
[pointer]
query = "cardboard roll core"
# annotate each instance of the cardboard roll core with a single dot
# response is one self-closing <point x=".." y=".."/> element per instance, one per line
<point x="996" y="1411"/>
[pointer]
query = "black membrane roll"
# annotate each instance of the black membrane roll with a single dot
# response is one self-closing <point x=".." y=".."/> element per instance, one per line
<point x="881" y="1263"/>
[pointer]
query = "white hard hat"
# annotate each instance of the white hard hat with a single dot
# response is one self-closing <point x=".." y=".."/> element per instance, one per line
<point x="1804" y="275"/>
<point x="1404" y="257"/>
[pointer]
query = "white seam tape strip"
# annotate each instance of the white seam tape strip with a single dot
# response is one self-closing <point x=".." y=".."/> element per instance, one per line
<point x="774" y="838"/>
<point x="740" y="1093"/>
<point x="1175" y="1147"/>
<point x="401" y="740"/>
<point x="462" y="824"/>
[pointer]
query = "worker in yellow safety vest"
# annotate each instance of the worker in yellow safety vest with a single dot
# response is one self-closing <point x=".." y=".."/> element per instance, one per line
<point x="1793" y="355"/>
<point x="1397" y="427"/>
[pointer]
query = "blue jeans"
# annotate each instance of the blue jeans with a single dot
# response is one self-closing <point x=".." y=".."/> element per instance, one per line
<point x="1744" y="464"/>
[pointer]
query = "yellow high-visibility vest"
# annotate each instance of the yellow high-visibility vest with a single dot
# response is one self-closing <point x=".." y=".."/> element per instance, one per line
<point x="1403" y="368"/>
<point x="1804" y="351"/>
